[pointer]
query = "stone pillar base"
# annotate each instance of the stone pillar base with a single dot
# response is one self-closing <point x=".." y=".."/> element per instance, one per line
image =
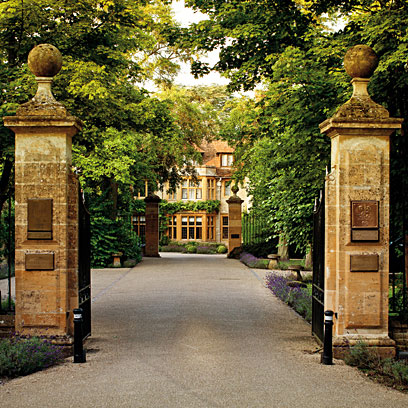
<point x="380" y="344"/>
<point x="152" y="256"/>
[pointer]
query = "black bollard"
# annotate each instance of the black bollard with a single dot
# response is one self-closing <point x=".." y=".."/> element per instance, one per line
<point x="327" y="357"/>
<point x="79" y="352"/>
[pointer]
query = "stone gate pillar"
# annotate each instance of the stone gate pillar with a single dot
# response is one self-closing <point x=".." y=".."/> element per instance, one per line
<point x="357" y="212"/>
<point x="152" y="225"/>
<point x="46" y="205"/>
<point x="234" y="220"/>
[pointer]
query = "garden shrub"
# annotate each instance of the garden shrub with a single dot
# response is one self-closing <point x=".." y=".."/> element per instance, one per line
<point x="191" y="249"/>
<point x="300" y="299"/>
<point x="222" y="249"/>
<point x="173" y="248"/>
<point x="361" y="356"/>
<point x="262" y="249"/>
<point x="253" y="262"/>
<point x="204" y="249"/>
<point x="248" y="259"/>
<point x="109" y="237"/>
<point x="388" y="371"/>
<point x="22" y="356"/>
<point x="164" y="240"/>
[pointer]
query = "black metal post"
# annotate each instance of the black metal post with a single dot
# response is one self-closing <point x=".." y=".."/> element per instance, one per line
<point x="79" y="352"/>
<point x="327" y="358"/>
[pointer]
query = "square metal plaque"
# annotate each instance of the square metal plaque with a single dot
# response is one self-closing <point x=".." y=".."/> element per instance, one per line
<point x="365" y="235"/>
<point x="364" y="263"/>
<point x="39" y="262"/>
<point x="364" y="214"/>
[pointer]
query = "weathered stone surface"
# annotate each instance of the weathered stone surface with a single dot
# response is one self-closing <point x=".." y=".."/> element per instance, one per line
<point x="359" y="133"/>
<point x="234" y="220"/>
<point x="360" y="61"/>
<point x="44" y="130"/>
<point x="152" y="225"/>
<point x="45" y="60"/>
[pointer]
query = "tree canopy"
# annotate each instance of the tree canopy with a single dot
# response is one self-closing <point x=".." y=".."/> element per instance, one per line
<point x="277" y="139"/>
<point x="109" y="47"/>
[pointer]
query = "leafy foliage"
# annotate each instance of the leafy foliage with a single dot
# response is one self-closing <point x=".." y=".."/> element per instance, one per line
<point x="109" y="49"/>
<point x="277" y="139"/>
<point x="209" y="206"/>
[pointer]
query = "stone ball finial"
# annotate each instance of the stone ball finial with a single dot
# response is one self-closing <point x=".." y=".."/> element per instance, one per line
<point x="235" y="189"/>
<point x="45" y="60"/>
<point x="360" y="61"/>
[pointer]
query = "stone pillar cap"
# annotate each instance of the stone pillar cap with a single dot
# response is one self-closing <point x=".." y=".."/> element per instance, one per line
<point x="44" y="61"/>
<point x="360" y="110"/>
<point x="235" y="199"/>
<point x="152" y="198"/>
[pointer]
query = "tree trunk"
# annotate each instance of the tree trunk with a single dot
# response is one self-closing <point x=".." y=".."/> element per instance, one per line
<point x="309" y="258"/>
<point x="283" y="248"/>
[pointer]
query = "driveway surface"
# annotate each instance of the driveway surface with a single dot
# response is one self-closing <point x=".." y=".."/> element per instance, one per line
<point x="195" y="331"/>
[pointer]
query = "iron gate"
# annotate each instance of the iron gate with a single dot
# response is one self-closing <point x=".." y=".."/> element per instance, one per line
<point x="318" y="268"/>
<point x="84" y="264"/>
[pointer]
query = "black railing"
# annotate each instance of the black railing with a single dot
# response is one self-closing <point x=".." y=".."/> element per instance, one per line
<point x="7" y="253"/>
<point x="254" y="229"/>
<point x="398" y="304"/>
<point x="84" y="264"/>
<point x="318" y="268"/>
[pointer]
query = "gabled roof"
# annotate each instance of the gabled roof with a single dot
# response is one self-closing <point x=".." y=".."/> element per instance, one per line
<point x="211" y="151"/>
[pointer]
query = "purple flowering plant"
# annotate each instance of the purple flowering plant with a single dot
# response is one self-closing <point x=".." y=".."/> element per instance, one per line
<point x="22" y="355"/>
<point x="252" y="261"/>
<point x="300" y="299"/>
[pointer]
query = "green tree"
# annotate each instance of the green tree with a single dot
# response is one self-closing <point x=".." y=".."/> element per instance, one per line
<point x="109" y="48"/>
<point x="278" y="143"/>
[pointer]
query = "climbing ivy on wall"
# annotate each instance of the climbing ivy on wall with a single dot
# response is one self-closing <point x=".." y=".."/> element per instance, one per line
<point x="165" y="208"/>
<point x="209" y="206"/>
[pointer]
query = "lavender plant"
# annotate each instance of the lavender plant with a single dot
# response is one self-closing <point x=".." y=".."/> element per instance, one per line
<point x="295" y="296"/>
<point x="252" y="261"/>
<point x="22" y="356"/>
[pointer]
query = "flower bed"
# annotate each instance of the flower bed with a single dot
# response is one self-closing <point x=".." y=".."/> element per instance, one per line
<point x="192" y="247"/>
<point x="25" y="355"/>
<point x="253" y="261"/>
<point x="300" y="299"/>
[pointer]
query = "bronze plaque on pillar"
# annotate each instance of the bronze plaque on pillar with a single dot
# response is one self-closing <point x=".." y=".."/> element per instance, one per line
<point x="39" y="262"/>
<point x="39" y="218"/>
<point x="364" y="221"/>
<point x="364" y="263"/>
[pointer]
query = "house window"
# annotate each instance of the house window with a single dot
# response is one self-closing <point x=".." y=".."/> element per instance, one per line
<point x="211" y="227"/>
<point x="142" y="192"/>
<point x="170" y="195"/>
<point x="139" y="225"/>
<point x="227" y="160"/>
<point x="225" y="227"/>
<point x="172" y="230"/>
<point x="211" y="189"/>
<point x="227" y="188"/>
<point x="191" y="227"/>
<point x="191" y="190"/>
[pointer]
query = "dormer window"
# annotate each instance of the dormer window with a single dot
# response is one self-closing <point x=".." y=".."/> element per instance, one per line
<point x="227" y="160"/>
